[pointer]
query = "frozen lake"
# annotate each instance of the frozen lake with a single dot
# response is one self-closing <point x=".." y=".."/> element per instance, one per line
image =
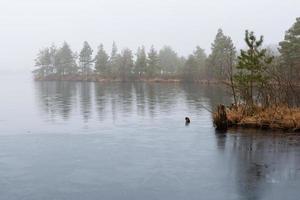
<point x="128" y="141"/>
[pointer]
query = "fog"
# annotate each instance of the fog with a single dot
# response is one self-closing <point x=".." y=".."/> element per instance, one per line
<point x="29" y="25"/>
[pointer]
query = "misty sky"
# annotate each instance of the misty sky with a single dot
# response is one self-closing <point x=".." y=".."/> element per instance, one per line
<point x="28" y="25"/>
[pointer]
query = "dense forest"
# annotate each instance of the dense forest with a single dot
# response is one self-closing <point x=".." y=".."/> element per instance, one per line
<point x="254" y="75"/>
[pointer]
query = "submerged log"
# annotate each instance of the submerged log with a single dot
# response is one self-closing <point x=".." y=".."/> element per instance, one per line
<point x="220" y="118"/>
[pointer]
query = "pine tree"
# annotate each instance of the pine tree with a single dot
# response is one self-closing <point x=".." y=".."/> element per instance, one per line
<point x="153" y="63"/>
<point x="217" y="60"/>
<point x="290" y="51"/>
<point x="191" y="69"/>
<point x="169" y="61"/>
<point x="102" y="62"/>
<point x="126" y="64"/>
<point x="114" y="60"/>
<point x="43" y="62"/>
<point x="252" y="64"/>
<point x="200" y="57"/>
<point x="65" y="61"/>
<point x="141" y="62"/>
<point x="85" y="59"/>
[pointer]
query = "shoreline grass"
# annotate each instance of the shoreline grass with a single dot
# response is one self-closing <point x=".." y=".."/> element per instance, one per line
<point x="274" y="117"/>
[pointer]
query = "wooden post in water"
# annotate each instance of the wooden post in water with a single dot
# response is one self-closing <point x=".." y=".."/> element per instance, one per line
<point x="220" y="118"/>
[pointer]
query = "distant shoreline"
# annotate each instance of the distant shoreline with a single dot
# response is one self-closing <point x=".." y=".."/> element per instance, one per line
<point x="97" y="78"/>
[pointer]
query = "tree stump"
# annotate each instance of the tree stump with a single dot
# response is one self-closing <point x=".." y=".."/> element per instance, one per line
<point x="220" y="118"/>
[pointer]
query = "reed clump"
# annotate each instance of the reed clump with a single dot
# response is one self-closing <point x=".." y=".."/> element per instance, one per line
<point x="274" y="117"/>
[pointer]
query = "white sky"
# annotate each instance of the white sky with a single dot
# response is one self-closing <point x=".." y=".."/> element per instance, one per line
<point x="28" y="25"/>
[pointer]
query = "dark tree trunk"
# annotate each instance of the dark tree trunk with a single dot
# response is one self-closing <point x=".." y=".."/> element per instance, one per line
<point x="220" y="118"/>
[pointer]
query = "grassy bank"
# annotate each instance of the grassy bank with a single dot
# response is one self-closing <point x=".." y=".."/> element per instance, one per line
<point x="275" y="117"/>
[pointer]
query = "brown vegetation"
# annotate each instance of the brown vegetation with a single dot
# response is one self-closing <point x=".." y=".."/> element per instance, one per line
<point x="274" y="117"/>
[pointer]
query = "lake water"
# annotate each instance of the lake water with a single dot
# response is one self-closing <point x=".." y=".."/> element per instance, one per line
<point x="125" y="141"/>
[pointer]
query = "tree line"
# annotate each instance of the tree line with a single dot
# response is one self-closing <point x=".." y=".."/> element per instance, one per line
<point x="255" y="74"/>
<point x="127" y="65"/>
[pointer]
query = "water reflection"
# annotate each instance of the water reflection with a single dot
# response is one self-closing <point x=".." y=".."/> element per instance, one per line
<point x="101" y="101"/>
<point x="152" y="100"/>
<point x="58" y="99"/>
<point x="221" y="139"/>
<point x="260" y="163"/>
<point x="129" y="141"/>
<point x="85" y="99"/>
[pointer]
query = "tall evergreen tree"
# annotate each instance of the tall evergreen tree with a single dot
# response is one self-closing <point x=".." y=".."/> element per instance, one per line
<point x="85" y="58"/>
<point x="153" y="63"/>
<point x="141" y="62"/>
<point x="169" y="61"/>
<point x="114" y="60"/>
<point x="126" y="64"/>
<point x="220" y="53"/>
<point x="200" y="57"/>
<point x="191" y="69"/>
<point x="65" y="61"/>
<point x="252" y="64"/>
<point x="290" y="51"/>
<point x="102" y="62"/>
